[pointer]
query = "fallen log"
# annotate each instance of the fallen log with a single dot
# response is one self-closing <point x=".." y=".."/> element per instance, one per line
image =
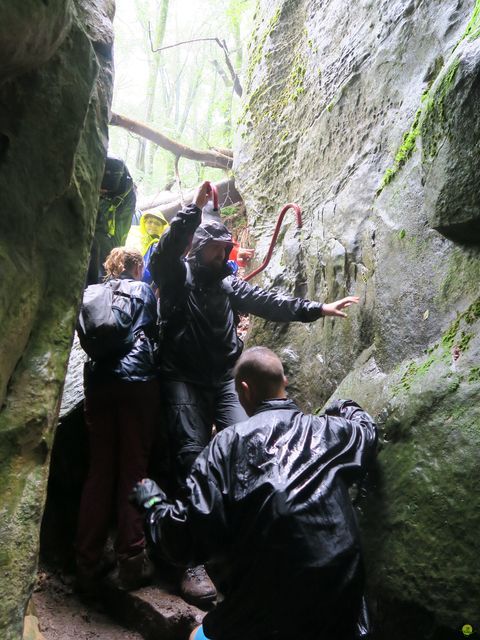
<point x="209" y="157"/>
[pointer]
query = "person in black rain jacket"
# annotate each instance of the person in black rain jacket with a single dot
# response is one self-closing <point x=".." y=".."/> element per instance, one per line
<point x="268" y="509"/>
<point x="199" y="305"/>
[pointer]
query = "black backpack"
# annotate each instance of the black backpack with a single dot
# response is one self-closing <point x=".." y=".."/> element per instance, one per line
<point x="105" y="322"/>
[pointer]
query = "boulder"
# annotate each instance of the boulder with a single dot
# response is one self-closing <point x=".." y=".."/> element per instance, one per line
<point x="55" y="90"/>
<point x="366" y="115"/>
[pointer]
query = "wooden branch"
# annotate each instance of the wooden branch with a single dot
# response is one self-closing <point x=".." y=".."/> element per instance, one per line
<point x="208" y="157"/>
<point x="237" y="87"/>
<point x="221" y="72"/>
<point x="177" y="44"/>
<point x="228" y="153"/>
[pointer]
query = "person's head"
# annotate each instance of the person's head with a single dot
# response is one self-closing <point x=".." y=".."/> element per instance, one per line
<point x="259" y="376"/>
<point x="153" y="224"/>
<point x="211" y="244"/>
<point x="122" y="260"/>
<point x="113" y="176"/>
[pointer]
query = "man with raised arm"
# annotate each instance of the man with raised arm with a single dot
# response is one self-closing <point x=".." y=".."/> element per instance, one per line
<point x="268" y="509"/>
<point x="200" y="301"/>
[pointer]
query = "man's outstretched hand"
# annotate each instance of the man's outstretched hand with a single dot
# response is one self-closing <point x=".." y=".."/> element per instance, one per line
<point x="202" y="194"/>
<point x="335" y="308"/>
<point x="147" y="494"/>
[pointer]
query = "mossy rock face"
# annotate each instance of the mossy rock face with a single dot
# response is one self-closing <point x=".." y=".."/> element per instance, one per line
<point x="421" y="513"/>
<point x="53" y="135"/>
<point x="379" y="150"/>
<point x="451" y="147"/>
<point x="30" y="33"/>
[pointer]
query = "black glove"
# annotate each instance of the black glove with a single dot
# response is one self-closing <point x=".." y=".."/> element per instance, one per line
<point x="334" y="409"/>
<point x="147" y="494"/>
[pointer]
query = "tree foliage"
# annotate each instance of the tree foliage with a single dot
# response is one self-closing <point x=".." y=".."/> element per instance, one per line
<point x="185" y="92"/>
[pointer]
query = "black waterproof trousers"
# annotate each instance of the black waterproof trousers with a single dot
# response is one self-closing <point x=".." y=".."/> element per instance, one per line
<point x="190" y="411"/>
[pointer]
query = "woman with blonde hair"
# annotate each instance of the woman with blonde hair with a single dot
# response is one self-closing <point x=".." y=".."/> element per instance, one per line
<point x="121" y="407"/>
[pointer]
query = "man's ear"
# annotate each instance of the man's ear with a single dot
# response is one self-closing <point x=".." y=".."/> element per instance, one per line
<point x="246" y="391"/>
<point x="285" y="381"/>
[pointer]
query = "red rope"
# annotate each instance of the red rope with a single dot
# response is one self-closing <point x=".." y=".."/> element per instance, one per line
<point x="298" y="213"/>
<point x="214" y="196"/>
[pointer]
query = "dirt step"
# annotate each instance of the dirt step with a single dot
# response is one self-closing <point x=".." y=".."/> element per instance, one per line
<point x="154" y="612"/>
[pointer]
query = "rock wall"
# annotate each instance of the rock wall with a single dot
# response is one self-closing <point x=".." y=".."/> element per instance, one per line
<point x="366" y="114"/>
<point x="55" y="90"/>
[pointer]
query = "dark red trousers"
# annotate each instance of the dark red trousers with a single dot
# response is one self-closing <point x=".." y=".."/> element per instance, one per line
<point x="121" y="418"/>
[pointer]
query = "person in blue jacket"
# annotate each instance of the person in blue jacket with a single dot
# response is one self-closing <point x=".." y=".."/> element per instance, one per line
<point x="121" y="409"/>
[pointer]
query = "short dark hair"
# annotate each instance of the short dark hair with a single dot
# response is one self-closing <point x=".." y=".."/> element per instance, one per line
<point x="262" y="369"/>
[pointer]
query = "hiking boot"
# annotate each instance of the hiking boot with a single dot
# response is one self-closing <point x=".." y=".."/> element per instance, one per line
<point x="196" y="587"/>
<point x="132" y="573"/>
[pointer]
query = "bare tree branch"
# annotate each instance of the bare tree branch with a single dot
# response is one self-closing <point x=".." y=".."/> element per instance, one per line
<point x="237" y="87"/>
<point x="222" y="151"/>
<point x="177" y="44"/>
<point x="209" y="157"/>
<point x="221" y="43"/>
<point x="221" y="72"/>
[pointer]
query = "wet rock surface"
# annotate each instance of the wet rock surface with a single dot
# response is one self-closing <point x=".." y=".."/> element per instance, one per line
<point x="55" y="88"/>
<point x="364" y="114"/>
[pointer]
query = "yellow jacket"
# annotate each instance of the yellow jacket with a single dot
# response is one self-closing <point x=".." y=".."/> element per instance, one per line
<point x="138" y="236"/>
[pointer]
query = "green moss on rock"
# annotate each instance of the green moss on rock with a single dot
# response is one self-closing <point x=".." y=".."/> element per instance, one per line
<point x="431" y="113"/>
<point x="472" y="32"/>
<point x="257" y="44"/>
<point x="50" y="177"/>
<point x="404" y="152"/>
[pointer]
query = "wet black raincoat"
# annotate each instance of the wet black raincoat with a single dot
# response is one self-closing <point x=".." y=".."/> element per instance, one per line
<point x="268" y="509"/>
<point x="199" y="306"/>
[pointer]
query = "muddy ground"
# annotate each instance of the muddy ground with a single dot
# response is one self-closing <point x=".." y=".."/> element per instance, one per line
<point x="62" y="616"/>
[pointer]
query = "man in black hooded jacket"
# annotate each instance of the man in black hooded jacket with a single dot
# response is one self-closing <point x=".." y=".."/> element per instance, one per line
<point x="199" y="305"/>
<point x="268" y="509"/>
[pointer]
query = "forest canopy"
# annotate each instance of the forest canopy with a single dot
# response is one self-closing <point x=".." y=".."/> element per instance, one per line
<point x="189" y="93"/>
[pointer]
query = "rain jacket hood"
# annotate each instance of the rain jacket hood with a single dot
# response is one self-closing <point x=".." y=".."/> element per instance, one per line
<point x="211" y="231"/>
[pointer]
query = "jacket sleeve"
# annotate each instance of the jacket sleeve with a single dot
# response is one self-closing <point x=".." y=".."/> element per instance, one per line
<point x="147" y="317"/>
<point x="356" y="434"/>
<point x="194" y="531"/>
<point x="272" y="305"/>
<point x="166" y="264"/>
